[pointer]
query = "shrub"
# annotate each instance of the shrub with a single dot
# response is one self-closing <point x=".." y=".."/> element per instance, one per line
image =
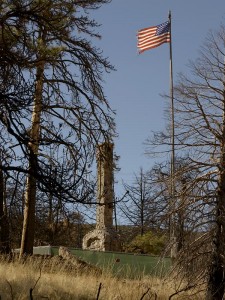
<point x="148" y="243"/>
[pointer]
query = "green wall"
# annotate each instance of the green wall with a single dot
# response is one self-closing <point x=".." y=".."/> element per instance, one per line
<point x="123" y="264"/>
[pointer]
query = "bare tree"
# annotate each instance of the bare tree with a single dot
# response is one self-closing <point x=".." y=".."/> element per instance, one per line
<point x="64" y="103"/>
<point x="200" y="135"/>
<point x="202" y="100"/>
<point x="4" y="224"/>
<point x="145" y="203"/>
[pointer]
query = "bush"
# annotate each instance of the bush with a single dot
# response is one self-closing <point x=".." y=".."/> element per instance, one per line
<point x="148" y="243"/>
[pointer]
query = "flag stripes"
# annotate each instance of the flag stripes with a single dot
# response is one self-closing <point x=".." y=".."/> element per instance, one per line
<point x="154" y="36"/>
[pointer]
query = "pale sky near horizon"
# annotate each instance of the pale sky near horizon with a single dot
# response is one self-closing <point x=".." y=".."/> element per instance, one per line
<point x="134" y="90"/>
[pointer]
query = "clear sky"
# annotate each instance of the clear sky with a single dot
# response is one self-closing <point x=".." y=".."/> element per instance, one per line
<point x="134" y="90"/>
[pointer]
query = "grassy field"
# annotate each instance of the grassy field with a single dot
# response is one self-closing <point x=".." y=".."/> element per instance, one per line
<point x="53" y="278"/>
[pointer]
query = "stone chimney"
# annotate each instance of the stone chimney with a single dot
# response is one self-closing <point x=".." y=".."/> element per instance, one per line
<point x="104" y="237"/>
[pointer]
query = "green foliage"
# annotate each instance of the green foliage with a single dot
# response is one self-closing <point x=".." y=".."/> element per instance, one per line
<point x="148" y="243"/>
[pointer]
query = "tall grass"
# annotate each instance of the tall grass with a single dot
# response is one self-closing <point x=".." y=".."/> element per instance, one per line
<point x="38" y="278"/>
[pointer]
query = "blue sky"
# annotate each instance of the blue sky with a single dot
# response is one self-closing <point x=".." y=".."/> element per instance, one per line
<point x="134" y="90"/>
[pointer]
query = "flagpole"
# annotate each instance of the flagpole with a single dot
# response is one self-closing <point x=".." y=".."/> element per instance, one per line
<point x="172" y="163"/>
<point x="149" y="38"/>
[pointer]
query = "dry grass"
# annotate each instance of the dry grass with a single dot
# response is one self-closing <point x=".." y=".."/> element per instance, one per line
<point x="55" y="278"/>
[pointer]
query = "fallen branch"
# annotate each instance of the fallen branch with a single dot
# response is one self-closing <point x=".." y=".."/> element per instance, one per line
<point x="99" y="289"/>
<point x="31" y="289"/>
<point x="142" y="297"/>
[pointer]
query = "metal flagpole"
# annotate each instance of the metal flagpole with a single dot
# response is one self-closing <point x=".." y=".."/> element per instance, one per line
<point x="149" y="38"/>
<point x="172" y="163"/>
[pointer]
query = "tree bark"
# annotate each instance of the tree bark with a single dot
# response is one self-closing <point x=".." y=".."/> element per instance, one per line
<point x="181" y="218"/>
<point x="4" y="224"/>
<point x="216" y="280"/>
<point x="27" y="240"/>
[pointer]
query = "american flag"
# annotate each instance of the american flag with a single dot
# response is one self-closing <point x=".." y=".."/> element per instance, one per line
<point x="154" y="36"/>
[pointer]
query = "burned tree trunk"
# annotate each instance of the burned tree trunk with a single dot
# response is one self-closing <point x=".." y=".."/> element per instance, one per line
<point x="27" y="239"/>
<point x="216" y="279"/>
<point x="4" y="224"/>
